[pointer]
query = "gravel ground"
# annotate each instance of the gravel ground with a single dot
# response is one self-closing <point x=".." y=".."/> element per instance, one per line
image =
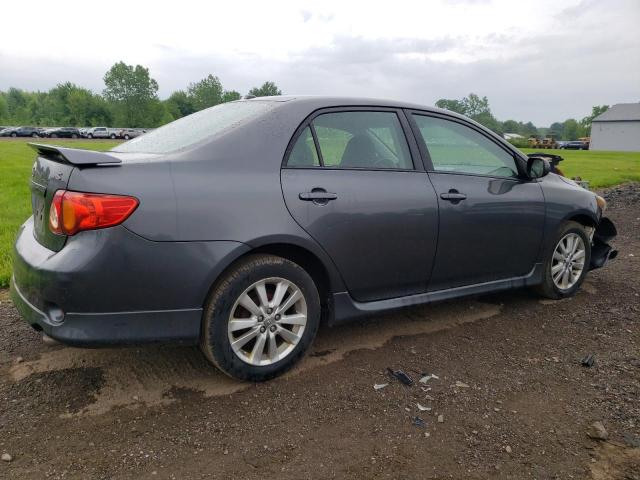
<point x="511" y="398"/>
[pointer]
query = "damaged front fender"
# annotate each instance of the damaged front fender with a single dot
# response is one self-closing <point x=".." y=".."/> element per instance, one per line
<point x="601" y="251"/>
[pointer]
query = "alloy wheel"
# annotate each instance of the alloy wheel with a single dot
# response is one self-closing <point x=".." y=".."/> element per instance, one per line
<point x="567" y="262"/>
<point x="267" y="321"/>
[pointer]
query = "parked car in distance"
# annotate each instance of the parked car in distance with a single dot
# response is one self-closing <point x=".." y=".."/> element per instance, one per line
<point x="102" y="132"/>
<point x="575" y="145"/>
<point x="241" y="226"/>
<point x="20" y="132"/>
<point x="129" y="133"/>
<point x="62" y="132"/>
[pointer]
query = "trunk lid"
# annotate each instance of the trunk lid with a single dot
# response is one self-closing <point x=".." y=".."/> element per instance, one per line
<point x="51" y="172"/>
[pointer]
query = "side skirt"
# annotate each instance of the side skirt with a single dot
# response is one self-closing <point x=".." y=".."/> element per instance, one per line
<point x="346" y="308"/>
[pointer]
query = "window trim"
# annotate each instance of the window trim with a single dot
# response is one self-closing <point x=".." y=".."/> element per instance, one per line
<point x="426" y="156"/>
<point x="414" y="151"/>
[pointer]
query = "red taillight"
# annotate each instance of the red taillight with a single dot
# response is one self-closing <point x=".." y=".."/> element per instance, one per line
<point x="72" y="212"/>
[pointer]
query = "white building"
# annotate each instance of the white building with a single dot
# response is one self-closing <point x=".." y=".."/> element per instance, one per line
<point x="617" y="129"/>
<point x="512" y="136"/>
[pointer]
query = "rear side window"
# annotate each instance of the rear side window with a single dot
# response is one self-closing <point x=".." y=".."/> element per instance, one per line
<point x="356" y="139"/>
<point x="454" y="147"/>
<point x="304" y="152"/>
<point x="199" y="126"/>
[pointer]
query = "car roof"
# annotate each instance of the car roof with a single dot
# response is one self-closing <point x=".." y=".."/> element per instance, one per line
<point x="316" y="102"/>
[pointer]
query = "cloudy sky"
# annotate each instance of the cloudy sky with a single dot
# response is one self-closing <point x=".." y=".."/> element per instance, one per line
<point x="540" y="60"/>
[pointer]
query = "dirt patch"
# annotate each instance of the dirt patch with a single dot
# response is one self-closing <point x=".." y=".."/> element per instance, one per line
<point x="612" y="462"/>
<point x="81" y="386"/>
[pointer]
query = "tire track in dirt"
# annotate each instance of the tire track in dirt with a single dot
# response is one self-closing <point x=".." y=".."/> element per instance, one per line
<point x="150" y="375"/>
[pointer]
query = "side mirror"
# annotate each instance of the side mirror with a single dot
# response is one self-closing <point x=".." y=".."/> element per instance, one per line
<point x="537" y="167"/>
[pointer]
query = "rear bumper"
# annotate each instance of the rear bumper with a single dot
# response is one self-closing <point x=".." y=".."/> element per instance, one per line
<point x="112" y="286"/>
<point x="95" y="329"/>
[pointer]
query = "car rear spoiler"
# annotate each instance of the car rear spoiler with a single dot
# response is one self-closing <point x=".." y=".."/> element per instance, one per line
<point x="74" y="156"/>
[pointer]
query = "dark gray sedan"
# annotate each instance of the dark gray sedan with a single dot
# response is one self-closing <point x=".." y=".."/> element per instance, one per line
<point x="243" y="226"/>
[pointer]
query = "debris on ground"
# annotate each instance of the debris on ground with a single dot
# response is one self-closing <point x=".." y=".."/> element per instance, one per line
<point x="588" y="360"/>
<point x="440" y="418"/>
<point x="597" y="431"/>
<point x="460" y="384"/>
<point x="418" y="422"/>
<point x="379" y="386"/>
<point x="508" y="449"/>
<point x="6" y="457"/>
<point x="426" y="378"/>
<point x="422" y="408"/>
<point x="401" y="376"/>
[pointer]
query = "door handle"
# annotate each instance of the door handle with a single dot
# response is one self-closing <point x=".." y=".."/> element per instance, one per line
<point x="318" y="196"/>
<point x="453" y="196"/>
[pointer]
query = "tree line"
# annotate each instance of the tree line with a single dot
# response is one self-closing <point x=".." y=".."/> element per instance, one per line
<point x="478" y="109"/>
<point x="129" y="99"/>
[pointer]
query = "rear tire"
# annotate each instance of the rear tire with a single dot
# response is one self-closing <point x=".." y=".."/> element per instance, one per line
<point x="280" y="323"/>
<point x="90" y="136"/>
<point x="566" y="262"/>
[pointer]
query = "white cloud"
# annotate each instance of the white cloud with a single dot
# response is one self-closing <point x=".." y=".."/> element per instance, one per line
<point x="541" y="60"/>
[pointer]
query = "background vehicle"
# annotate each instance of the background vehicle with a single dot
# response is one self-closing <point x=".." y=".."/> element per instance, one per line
<point x="20" y="132"/>
<point x="547" y="142"/>
<point x="62" y="132"/>
<point x="102" y="132"/>
<point x="575" y="145"/>
<point x="129" y="133"/>
<point x="270" y="214"/>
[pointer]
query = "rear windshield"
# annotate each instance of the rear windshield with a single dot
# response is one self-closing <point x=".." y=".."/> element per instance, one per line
<point x="194" y="128"/>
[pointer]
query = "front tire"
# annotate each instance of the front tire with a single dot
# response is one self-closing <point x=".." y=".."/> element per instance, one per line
<point x="261" y="318"/>
<point x="567" y="262"/>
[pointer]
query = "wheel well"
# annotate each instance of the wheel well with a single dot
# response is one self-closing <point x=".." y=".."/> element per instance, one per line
<point x="303" y="257"/>
<point x="307" y="260"/>
<point x="585" y="220"/>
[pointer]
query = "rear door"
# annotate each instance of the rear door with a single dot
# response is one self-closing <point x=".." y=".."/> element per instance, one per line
<point x="491" y="218"/>
<point x="349" y="180"/>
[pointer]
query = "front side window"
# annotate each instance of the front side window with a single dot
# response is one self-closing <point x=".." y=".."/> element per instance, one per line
<point x="373" y="140"/>
<point x="456" y="148"/>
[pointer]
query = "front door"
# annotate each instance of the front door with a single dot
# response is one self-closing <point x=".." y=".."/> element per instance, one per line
<point x="350" y="182"/>
<point x="491" y="219"/>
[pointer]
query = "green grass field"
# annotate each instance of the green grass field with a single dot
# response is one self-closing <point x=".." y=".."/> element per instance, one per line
<point x="602" y="169"/>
